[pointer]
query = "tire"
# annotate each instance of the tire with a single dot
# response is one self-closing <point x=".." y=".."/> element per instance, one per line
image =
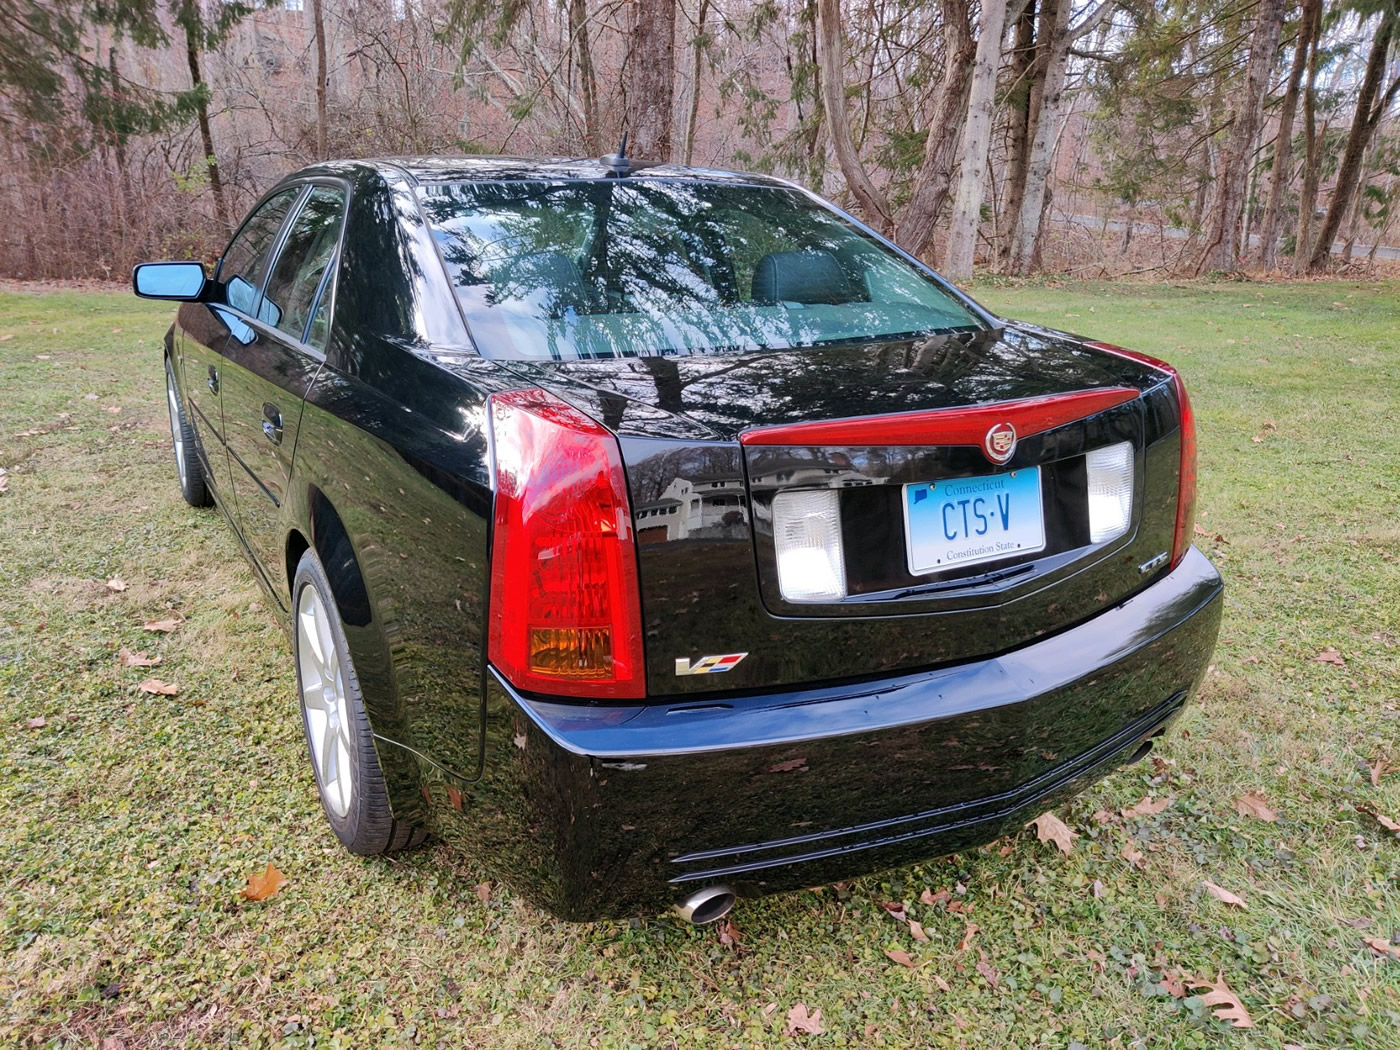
<point x="188" y="468"/>
<point x="338" y="738"/>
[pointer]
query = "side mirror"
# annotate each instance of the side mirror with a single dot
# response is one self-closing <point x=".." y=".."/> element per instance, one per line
<point x="181" y="281"/>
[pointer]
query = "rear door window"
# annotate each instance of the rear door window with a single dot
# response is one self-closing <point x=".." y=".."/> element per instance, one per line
<point x="303" y="271"/>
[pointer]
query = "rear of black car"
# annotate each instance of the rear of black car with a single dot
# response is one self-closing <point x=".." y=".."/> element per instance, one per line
<point x="824" y="594"/>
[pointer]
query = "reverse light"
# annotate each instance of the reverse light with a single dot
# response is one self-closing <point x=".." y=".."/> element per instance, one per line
<point x="1110" y="471"/>
<point x="565" y="607"/>
<point x="1186" y="474"/>
<point x="807" y="535"/>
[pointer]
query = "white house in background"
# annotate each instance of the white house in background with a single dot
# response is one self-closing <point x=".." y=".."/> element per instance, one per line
<point x="716" y="501"/>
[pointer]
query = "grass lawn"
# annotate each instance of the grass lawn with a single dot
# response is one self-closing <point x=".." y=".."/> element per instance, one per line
<point x="131" y="821"/>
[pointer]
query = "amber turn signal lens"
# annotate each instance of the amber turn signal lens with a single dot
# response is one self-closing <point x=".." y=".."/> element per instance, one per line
<point x="571" y="652"/>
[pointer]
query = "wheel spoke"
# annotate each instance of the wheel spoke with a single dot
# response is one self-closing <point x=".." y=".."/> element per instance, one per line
<point x="330" y="765"/>
<point x="310" y="635"/>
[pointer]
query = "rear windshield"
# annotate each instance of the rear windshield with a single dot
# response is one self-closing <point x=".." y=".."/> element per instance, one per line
<point x="639" y="267"/>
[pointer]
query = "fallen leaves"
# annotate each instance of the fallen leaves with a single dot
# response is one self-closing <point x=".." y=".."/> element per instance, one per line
<point x="1225" y="1003"/>
<point x="264" y="885"/>
<point x="916" y="930"/>
<point x="1223" y="895"/>
<point x="36" y="723"/>
<point x="1133" y="856"/>
<point x="1384" y="821"/>
<point x="1050" y="828"/>
<point x="985" y="968"/>
<point x="896" y="910"/>
<point x="130" y="659"/>
<point x="729" y="935"/>
<point x="934" y="899"/>
<point x="1329" y="656"/>
<point x="161" y="626"/>
<point x="1381" y="946"/>
<point x="967" y="936"/>
<point x="800" y="1021"/>
<point x="1379" y="768"/>
<point x="1253" y="805"/>
<point x="483" y="892"/>
<point x="1146" y="808"/>
<point x="900" y="956"/>
<point x="116" y="585"/>
<point x="156" y="687"/>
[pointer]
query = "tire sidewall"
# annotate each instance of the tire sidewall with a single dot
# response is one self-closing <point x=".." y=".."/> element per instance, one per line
<point x="350" y="828"/>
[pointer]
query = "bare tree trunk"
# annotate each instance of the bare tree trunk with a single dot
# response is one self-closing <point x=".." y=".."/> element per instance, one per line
<point x="929" y="190"/>
<point x="318" y="26"/>
<point x="1272" y="224"/>
<point x="1232" y="184"/>
<point x="977" y="134"/>
<point x="1364" y="121"/>
<point x="206" y="135"/>
<point x="588" y="81"/>
<point x="831" y="62"/>
<point x="1057" y="40"/>
<point x="650" y="77"/>
<point x="1312" y="160"/>
<point x="697" y="57"/>
<point x="1024" y="101"/>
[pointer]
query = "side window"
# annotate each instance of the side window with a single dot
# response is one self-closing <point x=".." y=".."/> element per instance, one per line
<point x="245" y="260"/>
<point x="303" y="268"/>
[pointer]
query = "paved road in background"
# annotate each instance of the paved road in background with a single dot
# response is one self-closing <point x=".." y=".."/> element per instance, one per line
<point x="1358" y="251"/>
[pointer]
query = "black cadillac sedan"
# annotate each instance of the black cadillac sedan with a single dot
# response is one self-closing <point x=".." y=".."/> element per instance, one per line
<point x="663" y="536"/>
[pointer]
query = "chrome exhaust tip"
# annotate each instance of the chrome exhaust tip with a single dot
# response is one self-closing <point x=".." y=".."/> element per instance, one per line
<point x="706" y="906"/>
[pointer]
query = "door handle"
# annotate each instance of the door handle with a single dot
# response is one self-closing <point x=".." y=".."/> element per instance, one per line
<point x="272" y="423"/>
<point x="213" y="380"/>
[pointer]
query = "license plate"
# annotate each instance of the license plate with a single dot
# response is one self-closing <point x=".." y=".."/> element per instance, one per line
<point x="964" y="521"/>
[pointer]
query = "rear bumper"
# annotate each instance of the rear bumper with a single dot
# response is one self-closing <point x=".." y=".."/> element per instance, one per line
<point x="595" y="812"/>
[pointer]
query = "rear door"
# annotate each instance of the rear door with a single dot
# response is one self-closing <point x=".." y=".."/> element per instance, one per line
<point x="207" y="329"/>
<point x="267" y="375"/>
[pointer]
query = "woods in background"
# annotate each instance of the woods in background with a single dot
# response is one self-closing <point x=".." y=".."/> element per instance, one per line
<point x="1098" y="136"/>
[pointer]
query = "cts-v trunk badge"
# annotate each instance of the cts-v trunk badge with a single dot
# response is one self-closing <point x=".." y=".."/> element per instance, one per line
<point x="1000" y="442"/>
<point x="710" y="664"/>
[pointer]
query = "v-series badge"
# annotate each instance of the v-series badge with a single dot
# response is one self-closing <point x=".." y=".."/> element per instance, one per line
<point x="710" y="664"/>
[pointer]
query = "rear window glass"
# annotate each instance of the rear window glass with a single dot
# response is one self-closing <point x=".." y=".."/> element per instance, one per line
<point x="640" y="267"/>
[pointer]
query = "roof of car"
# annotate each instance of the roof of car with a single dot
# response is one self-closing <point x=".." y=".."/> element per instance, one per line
<point x="474" y="168"/>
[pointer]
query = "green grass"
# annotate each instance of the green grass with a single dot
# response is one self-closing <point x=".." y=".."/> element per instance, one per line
<point x="130" y="822"/>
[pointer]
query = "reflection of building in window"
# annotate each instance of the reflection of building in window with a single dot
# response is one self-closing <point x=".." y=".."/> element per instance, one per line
<point x="291" y="5"/>
<point x="714" y="505"/>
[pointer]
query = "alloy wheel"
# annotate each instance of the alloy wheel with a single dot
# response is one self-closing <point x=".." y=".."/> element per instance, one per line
<point x="323" y="696"/>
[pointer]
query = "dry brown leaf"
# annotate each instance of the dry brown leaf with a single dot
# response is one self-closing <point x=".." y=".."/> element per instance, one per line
<point x="1146" y="808"/>
<point x="156" y="687"/>
<point x="1381" y="946"/>
<point x="130" y="659"/>
<point x="799" y="1020"/>
<point x="116" y="584"/>
<point x="1378" y="769"/>
<point x="1227" y="1005"/>
<point x="986" y="970"/>
<point x="896" y="910"/>
<point x="36" y="723"/>
<point x="967" y="936"/>
<point x="729" y="933"/>
<point x="1171" y="981"/>
<point x="943" y="985"/>
<point x="1329" y="656"/>
<point x="1133" y="856"/>
<point x="934" y="899"/>
<point x="1223" y="895"/>
<point x="262" y="886"/>
<point x="1050" y="828"/>
<point x="916" y="931"/>
<point x="792" y="765"/>
<point x="1252" y="805"/>
<point x="1385" y="821"/>
<point x="483" y="892"/>
<point x="164" y="626"/>
<point x="900" y="956"/>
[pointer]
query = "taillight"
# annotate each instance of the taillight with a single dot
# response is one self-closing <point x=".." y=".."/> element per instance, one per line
<point x="1186" y="478"/>
<point x="565" y="609"/>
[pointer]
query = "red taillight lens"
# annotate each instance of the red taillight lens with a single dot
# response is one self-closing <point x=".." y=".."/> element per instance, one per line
<point x="1186" y="478"/>
<point x="565" y="609"/>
